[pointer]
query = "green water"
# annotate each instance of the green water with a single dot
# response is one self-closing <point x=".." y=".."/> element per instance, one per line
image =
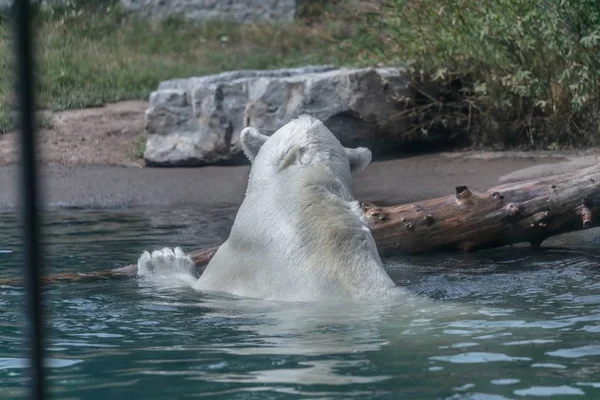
<point x="509" y="323"/>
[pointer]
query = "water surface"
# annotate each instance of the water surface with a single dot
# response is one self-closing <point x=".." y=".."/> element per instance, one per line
<point x="508" y="323"/>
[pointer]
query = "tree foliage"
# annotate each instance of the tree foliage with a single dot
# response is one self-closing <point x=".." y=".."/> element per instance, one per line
<point x="501" y="72"/>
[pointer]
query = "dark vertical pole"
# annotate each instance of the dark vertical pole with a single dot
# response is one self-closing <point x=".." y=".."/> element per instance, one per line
<point x="29" y="190"/>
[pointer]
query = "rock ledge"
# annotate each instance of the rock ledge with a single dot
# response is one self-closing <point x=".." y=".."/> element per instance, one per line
<point x="197" y="121"/>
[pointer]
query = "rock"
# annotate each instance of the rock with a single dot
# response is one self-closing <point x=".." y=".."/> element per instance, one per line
<point x="197" y="121"/>
<point x="241" y="11"/>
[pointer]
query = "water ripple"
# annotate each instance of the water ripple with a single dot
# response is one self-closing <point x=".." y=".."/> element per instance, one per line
<point x="545" y="391"/>
<point x="591" y="350"/>
<point x="17" y="363"/>
<point x="477" y="358"/>
<point x="121" y="339"/>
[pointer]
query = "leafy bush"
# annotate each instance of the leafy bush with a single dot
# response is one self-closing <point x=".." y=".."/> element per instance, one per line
<point x="499" y="72"/>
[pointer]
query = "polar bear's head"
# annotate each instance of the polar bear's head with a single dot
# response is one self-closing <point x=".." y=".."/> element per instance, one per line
<point x="302" y="142"/>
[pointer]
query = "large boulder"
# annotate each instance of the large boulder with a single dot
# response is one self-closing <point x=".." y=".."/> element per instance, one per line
<point x="241" y="11"/>
<point x="197" y="121"/>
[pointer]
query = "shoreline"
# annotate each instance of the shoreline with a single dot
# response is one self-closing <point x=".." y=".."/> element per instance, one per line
<point x="396" y="181"/>
<point x="91" y="158"/>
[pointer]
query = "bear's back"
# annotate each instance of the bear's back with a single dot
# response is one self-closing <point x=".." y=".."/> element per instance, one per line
<point x="298" y="237"/>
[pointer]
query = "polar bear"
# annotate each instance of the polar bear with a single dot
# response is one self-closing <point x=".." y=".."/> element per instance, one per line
<point x="299" y="234"/>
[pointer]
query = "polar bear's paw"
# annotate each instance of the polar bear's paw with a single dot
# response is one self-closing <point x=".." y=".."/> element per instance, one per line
<point x="167" y="266"/>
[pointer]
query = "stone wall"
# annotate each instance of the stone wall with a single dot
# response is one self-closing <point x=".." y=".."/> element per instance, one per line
<point x="241" y="11"/>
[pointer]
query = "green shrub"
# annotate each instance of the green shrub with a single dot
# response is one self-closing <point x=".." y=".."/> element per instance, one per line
<point x="501" y="72"/>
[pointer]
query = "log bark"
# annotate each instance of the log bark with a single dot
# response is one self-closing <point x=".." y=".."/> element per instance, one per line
<point x="529" y="211"/>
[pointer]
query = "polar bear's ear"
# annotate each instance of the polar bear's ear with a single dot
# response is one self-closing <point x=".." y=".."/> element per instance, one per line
<point x="359" y="158"/>
<point x="252" y="140"/>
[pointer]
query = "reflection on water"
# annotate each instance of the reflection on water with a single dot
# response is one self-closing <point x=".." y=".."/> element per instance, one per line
<point x="509" y="323"/>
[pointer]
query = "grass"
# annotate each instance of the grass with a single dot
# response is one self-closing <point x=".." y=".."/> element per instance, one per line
<point x="91" y="55"/>
<point x="140" y="147"/>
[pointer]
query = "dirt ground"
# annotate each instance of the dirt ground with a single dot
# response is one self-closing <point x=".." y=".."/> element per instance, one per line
<point x="113" y="135"/>
<point x="109" y="135"/>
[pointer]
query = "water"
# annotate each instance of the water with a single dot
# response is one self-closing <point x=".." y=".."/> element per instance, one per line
<point x="500" y="324"/>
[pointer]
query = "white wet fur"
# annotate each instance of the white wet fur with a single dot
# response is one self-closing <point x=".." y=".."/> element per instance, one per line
<point x="167" y="267"/>
<point x="299" y="234"/>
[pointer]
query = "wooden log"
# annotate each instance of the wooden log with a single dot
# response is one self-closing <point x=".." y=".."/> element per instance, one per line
<point x="529" y="211"/>
<point x="200" y="257"/>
